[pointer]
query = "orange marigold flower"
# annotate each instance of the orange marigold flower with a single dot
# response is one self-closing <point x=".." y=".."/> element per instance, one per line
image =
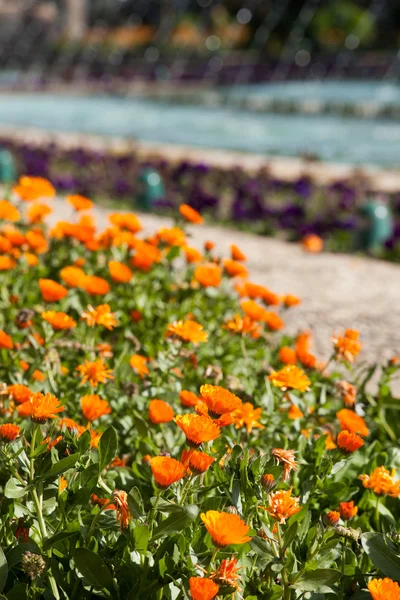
<point x="127" y="221"/>
<point x="247" y="416"/>
<point x="80" y="202"/>
<point x="282" y="505"/>
<point x="36" y="213"/>
<point x="287" y="355"/>
<point x="208" y="275"/>
<point x="8" y="212"/>
<point x="19" y="393"/>
<point x="268" y="481"/>
<point x="225" y="528"/>
<point x="352" y="422"/>
<point x="72" y="276"/>
<point x="188" y="331"/>
<point x="253" y="310"/>
<point x="119" y="272"/>
<point x="190" y="214"/>
<point x="273" y="321"/>
<point x="62" y="484"/>
<point x="6" y="341"/>
<point x="197" y="428"/>
<point x="188" y="399"/>
<point x="160" y="412"/>
<point x="237" y="254"/>
<point x="58" y="320"/>
<point x="15" y="236"/>
<point x="290" y="300"/>
<point x="384" y="589"/>
<point x="139" y="363"/>
<point x="38" y="375"/>
<point x="198" y="462"/>
<point x="24" y="365"/>
<point x="24" y="409"/>
<point x="313" y="243"/>
<point x="294" y="412"/>
<point x="349" y="442"/>
<point x="51" y="290"/>
<point x="44" y="407"/>
<point x="32" y="188"/>
<point x="145" y="256"/>
<point x="173" y="236"/>
<point x="208" y="246"/>
<point x="5" y="244"/>
<point x="288" y="459"/>
<point x="6" y="263"/>
<point x="95" y="372"/>
<point x="73" y="427"/>
<point x="243" y="326"/>
<point x="100" y="315"/>
<point x="31" y="259"/>
<point x="202" y="588"/>
<point x="192" y="255"/>
<point x="347" y="346"/>
<point x="219" y="400"/>
<point x="348" y="393"/>
<point x="166" y="470"/>
<point x="381" y="482"/>
<point x="290" y="377"/>
<point x="348" y="510"/>
<point x="121" y="503"/>
<point x="36" y="241"/>
<point x="331" y="518"/>
<point x="9" y="432"/>
<point x="227" y="573"/>
<point x="96" y="286"/>
<point x="234" y="268"/>
<point x="94" y="407"/>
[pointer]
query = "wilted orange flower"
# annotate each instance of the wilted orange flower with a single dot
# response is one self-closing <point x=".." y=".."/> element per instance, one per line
<point x="347" y="346"/>
<point x="38" y="375"/>
<point x="9" y="432"/>
<point x="219" y="400"/>
<point x="188" y="331"/>
<point x="96" y="286"/>
<point x="72" y="276"/>
<point x="331" y="518"/>
<point x="247" y="416"/>
<point x="384" y="589"/>
<point x="198" y="462"/>
<point x="36" y="213"/>
<point x="313" y="243"/>
<point x="381" y="482"/>
<point x="6" y="341"/>
<point x="6" y="263"/>
<point x="290" y="377"/>
<point x="19" y="393"/>
<point x="225" y="528"/>
<point x="121" y="503"/>
<point x="349" y="442"/>
<point x="119" y="272"/>
<point x="80" y="202"/>
<point x="227" y="573"/>
<point x="267" y="481"/>
<point x="8" y="212"/>
<point x="348" y="392"/>
<point x="290" y="300"/>
<point x="294" y="412"/>
<point x="352" y="422"/>
<point x="166" y="470"/>
<point x="288" y="459"/>
<point x="243" y="325"/>
<point x="126" y="221"/>
<point x="188" y="399"/>
<point x="51" y="290"/>
<point x="160" y="412"/>
<point x="139" y="363"/>
<point x="208" y="275"/>
<point x="58" y="320"/>
<point x="44" y="407"/>
<point x="197" y="428"/>
<point x="287" y="355"/>
<point x="32" y="188"/>
<point x="100" y="315"/>
<point x="95" y="372"/>
<point x="192" y="255"/>
<point x="190" y="214"/>
<point x="234" y="268"/>
<point x="237" y="254"/>
<point x="102" y="502"/>
<point x="348" y="510"/>
<point x="282" y="505"/>
<point x="202" y="588"/>
<point x="94" y="407"/>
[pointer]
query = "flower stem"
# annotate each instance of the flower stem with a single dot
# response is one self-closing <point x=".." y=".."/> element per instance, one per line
<point x="377" y="513"/>
<point x="212" y="560"/>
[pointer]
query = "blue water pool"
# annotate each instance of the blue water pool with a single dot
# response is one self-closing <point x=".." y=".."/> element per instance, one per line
<point x="332" y="137"/>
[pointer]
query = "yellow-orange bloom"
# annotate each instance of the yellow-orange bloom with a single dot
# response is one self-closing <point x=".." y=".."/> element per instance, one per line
<point x="348" y="393"/>
<point x="119" y="272"/>
<point x="234" y="268"/>
<point x="139" y="363"/>
<point x="33" y="188"/>
<point x="198" y="462"/>
<point x="36" y="213"/>
<point x="188" y="399"/>
<point x="348" y="510"/>
<point x="294" y="412"/>
<point x="352" y="422"/>
<point x="243" y="325"/>
<point x="188" y="331"/>
<point x="6" y="341"/>
<point x="247" y="416"/>
<point x="6" y="263"/>
<point x="347" y="346"/>
<point x="190" y="214"/>
<point x="166" y="470"/>
<point x="100" y="315"/>
<point x="197" y="428"/>
<point x="192" y="255"/>
<point x="96" y="286"/>
<point x="127" y="221"/>
<point x="160" y="412"/>
<point x="8" y="212"/>
<point x="381" y="482"/>
<point x="208" y="275"/>
<point x="290" y="377"/>
<point x="225" y="528"/>
<point x="282" y="505"/>
<point x="349" y="442"/>
<point x="95" y="372"/>
<point x="94" y="407"/>
<point x="219" y="400"/>
<point x="51" y="290"/>
<point x="384" y="589"/>
<point x="287" y="355"/>
<point x="120" y="499"/>
<point x="202" y="588"/>
<point x="72" y="276"/>
<point x="290" y="300"/>
<point x="44" y="407"/>
<point x="80" y="202"/>
<point x="237" y="254"/>
<point x="58" y="320"/>
<point x="288" y="459"/>
<point x="173" y="236"/>
<point x="313" y="243"/>
<point x="9" y="432"/>
<point x="19" y="393"/>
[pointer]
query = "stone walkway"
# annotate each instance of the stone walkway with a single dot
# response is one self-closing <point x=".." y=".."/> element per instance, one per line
<point x="338" y="291"/>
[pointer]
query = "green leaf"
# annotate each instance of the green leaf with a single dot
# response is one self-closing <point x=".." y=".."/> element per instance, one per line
<point x="141" y="536"/>
<point x="262" y="548"/>
<point x="93" y="569"/>
<point x="3" y="570"/>
<point x="61" y="466"/>
<point x="382" y="555"/>
<point x="108" y="447"/>
<point x="173" y="253"/>
<point x="177" y="521"/>
<point x="290" y="534"/>
<point x="18" y="592"/>
<point x="319" y="580"/>
<point x="14" y="489"/>
<point x="135" y="503"/>
<point x="71" y="529"/>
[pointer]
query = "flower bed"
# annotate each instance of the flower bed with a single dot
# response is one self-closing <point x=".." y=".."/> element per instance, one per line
<point x="257" y="201"/>
<point x="162" y="438"/>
